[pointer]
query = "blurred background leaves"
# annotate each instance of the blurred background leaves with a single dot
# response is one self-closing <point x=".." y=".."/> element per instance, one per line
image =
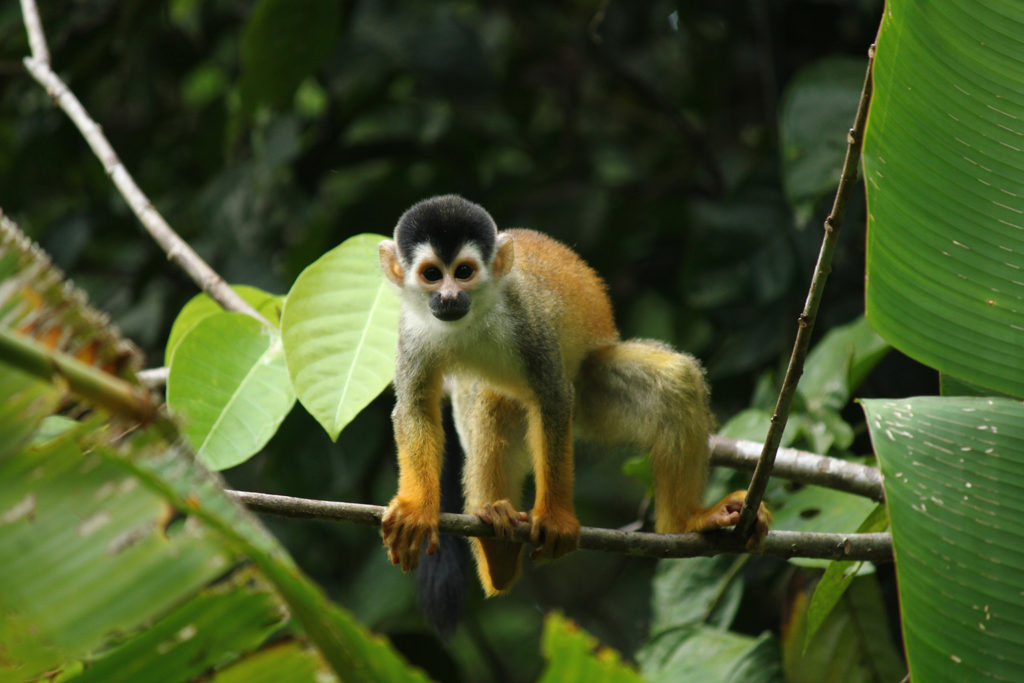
<point x="687" y="150"/>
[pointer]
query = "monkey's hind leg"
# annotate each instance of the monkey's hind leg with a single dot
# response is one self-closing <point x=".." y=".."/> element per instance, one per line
<point x="646" y="394"/>
<point x="492" y="429"/>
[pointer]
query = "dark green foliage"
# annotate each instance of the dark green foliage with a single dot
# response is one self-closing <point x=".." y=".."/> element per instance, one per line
<point x="646" y="135"/>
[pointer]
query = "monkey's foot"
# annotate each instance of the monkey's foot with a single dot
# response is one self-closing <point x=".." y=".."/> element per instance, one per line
<point x="498" y="560"/>
<point x="554" y="533"/>
<point x="403" y="528"/>
<point x="502" y="515"/>
<point x="726" y="512"/>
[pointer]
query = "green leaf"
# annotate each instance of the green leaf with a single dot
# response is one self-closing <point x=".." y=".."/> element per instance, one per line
<point x="284" y="661"/>
<point x="639" y="468"/>
<point x="943" y="166"/>
<point x="701" y="654"/>
<point x="839" y="363"/>
<point x="854" y="645"/>
<point x="838" y="575"/>
<point x="106" y="531"/>
<point x="696" y="591"/>
<point x="62" y="508"/>
<point x="954" y="386"/>
<point x="202" y="306"/>
<point x="818" y="509"/>
<point x="207" y="631"/>
<point x="954" y="485"/>
<point x="818" y="106"/>
<point x="283" y="42"/>
<point x="340" y="329"/>
<point x="574" y="655"/>
<point x="750" y="424"/>
<point x="24" y="400"/>
<point x="229" y="382"/>
<point x="344" y="643"/>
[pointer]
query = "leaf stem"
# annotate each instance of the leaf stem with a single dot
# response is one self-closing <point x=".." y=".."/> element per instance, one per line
<point x="93" y="384"/>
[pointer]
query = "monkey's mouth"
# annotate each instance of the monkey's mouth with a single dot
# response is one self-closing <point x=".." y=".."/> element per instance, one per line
<point x="449" y="315"/>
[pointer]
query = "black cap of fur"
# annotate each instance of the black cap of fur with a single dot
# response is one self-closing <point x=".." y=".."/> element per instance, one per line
<point x="447" y="222"/>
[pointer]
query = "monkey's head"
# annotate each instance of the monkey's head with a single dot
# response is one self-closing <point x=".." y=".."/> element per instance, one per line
<point x="445" y="252"/>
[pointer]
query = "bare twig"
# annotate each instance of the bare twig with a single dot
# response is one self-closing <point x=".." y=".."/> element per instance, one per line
<point x="876" y="547"/>
<point x="178" y="251"/>
<point x="805" y="323"/>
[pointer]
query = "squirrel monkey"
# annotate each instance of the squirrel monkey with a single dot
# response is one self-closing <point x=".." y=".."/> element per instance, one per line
<point x="519" y="331"/>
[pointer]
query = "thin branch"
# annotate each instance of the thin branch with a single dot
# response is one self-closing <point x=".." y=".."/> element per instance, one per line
<point x="876" y="547"/>
<point x="178" y="251"/>
<point x="805" y="323"/>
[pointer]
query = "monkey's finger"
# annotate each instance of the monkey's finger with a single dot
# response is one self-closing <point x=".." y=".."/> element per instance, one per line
<point x="434" y="541"/>
<point x="398" y="544"/>
<point x="392" y="554"/>
<point x="542" y="540"/>
<point x="412" y="543"/>
<point x="484" y="514"/>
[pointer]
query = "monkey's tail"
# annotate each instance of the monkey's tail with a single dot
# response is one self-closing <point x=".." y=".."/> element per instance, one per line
<point x="441" y="577"/>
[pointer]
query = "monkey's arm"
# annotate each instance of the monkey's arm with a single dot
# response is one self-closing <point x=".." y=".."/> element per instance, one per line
<point x="554" y="526"/>
<point x="414" y="511"/>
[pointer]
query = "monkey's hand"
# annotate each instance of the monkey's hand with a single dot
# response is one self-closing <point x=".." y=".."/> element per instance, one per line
<point x="554" y="532"/>
<point x="726" y="512"/>
<point x="403" y="528"/>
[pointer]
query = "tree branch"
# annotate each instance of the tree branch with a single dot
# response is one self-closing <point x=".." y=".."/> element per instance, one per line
<point x="178" y="251"/>
<point x="805" y="323"/>
<point x="801" y="466"/>
<point x="154" y="378"/>
<point x="876" y="547"/>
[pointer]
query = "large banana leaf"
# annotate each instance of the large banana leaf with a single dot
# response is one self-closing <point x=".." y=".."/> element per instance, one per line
<point x="954" y="485"/>
<point x="121" y="557"/>
<point x="944" y="171"/>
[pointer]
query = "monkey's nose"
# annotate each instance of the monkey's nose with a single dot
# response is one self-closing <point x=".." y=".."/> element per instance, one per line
<point x="449" y="309"/>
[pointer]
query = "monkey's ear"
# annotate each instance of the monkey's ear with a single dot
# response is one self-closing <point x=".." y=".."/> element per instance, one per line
<point x="504" y="255"/>
<point x="388" y="252"/>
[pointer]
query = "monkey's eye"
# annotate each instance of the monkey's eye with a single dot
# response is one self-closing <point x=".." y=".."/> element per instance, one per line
<point x="464" y="271"/>
<point x="431" y="274"/>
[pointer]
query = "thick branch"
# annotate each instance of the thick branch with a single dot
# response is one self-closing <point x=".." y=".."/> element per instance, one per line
<point x="178" y="251"/>
<point x="875" y="547"/>
<point x="805" y="323"/>
<point x="801" y="466"/>
<point x="154" y="378"/>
